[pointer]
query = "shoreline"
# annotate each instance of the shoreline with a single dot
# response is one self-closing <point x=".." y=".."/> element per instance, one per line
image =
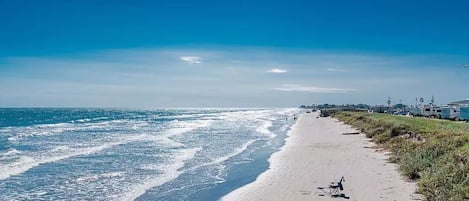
<point x="316" y="153"/>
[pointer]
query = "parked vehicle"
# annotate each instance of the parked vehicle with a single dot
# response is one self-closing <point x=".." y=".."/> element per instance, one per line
<point x="464" y="113"/>
<point x="402" y="113"/>
<point x="450" y="112"/>
<point x="415" y="111"/>
<point x="431" y="111"/>
<point x="382" y="109"/>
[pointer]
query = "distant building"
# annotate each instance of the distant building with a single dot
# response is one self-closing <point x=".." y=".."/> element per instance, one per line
<point x="460" y="103"/>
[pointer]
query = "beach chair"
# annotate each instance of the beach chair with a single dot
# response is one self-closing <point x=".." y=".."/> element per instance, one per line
<point x="336" y="187"/>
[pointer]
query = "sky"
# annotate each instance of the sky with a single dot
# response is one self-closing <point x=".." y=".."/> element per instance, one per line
<point x="154" y="54"/>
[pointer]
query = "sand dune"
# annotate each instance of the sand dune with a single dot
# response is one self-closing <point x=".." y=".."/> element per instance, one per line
<point x="315" y="154"/>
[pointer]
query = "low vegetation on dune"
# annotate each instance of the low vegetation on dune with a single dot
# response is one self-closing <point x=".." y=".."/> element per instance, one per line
<point x="433" y="152"/>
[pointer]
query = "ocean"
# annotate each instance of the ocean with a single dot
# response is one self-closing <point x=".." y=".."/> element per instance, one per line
<point x="124" y="154"/>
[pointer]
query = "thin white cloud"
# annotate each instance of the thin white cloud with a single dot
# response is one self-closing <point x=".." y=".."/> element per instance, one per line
<point x="127" y="78"/>
<point x="335" y="70"/>
<point x="277" y="70"/>
<point x="311" y="89"/>
<point x="191" y="59"/>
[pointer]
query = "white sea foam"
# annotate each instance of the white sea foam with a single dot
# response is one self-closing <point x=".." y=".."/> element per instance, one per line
<point x="174" y="158"/>
<point x="138" y="125"/>
<point x="56" y="129"/>
<point x="236" y="152"/>
<point x="150" y="167"/>
<point x="285" y="127"/>
<point x="264" y="128"/>
<point x="170" y="172"/>
<point x="24" y="163"/>
<point x="91" y="178"/>
<point x="83" y="120"/>
<point x="6" y="129"/>
<point x="87" y="179"/>
<point x="181" y="127"/>
<point x="112" y="174"/>
<point x="177" y="128"/>
<point x="39" y="130"/>
<point x="220" y="160"/>
<point x="186" y="116"/>
<point x="100" y="118"/>
<point x="287" y="111"/>
<point x="10" y="152"/>
<point x="226" y="157"/>
<point x="251" y="115"/>
<point x="60" y="148"/>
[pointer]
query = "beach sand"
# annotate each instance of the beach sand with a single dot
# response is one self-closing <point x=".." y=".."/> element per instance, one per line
<point x="315" y="154"/>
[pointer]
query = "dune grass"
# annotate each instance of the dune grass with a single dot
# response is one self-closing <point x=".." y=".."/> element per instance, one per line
<point x="433" y="152"/>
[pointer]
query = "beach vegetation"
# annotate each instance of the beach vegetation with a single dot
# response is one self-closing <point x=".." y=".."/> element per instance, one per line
<point x="433" y="152"/>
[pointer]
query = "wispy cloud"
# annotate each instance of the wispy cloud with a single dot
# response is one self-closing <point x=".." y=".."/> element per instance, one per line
<point x="335" y="70"/>
<point x="230" y="78"/>
<point x="311" y="89"/>
<point x="191" y="59"/>
<point x="277" y="70"/>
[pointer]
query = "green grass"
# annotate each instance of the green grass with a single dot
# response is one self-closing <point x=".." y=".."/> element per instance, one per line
<point x="433" y="152"/>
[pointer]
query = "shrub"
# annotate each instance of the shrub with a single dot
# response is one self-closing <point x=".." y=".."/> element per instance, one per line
<point x="433" y="151"/>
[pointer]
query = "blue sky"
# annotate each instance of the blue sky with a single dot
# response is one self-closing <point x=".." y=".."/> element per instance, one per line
<point x="231" y="54"/>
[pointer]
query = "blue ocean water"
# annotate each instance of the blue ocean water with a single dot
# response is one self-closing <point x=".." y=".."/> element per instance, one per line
<point x="121" y="154"/>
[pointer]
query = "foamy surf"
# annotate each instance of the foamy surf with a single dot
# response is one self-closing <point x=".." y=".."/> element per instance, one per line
<point x="170" y="172"/>
<point x="136" y="155"/>
<point x="25" y="163"/>
<point x="264" y="128"/>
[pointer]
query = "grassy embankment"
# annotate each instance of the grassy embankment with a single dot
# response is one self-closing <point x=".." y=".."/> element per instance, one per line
<point x="435" y="152"/>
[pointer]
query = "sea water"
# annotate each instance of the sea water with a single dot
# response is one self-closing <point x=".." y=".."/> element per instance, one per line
<point x="123" y="154"/>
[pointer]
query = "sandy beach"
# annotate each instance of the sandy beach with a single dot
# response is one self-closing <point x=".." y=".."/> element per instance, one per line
<point x="317" y="153"/>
